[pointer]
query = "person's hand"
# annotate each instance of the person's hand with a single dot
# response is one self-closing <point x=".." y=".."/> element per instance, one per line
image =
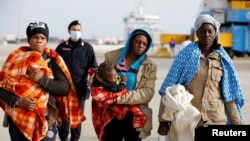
<point x="163" y="128"/>
<point x="36" y="74"/>
<point x="124" y="79"/>
<point x="27" y="103"/>
<point x="117" y="67"/>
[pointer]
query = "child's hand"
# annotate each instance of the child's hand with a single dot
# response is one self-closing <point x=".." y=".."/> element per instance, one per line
<point x="117" y="67"/>
<point x="124" y="79"/>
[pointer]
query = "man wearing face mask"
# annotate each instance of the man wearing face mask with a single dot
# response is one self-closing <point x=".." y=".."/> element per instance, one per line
<point x="79" y="56"/>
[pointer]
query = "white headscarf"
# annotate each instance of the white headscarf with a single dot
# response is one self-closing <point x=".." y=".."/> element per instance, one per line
<point x="206" y="18"/>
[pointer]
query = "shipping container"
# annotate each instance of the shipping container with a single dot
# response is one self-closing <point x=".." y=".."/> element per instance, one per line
<point x="234" y="17"/>
<point x="219" y="15"/>
<point x="240" y="16"/>
<point x="239" y="5"/>
<point x="214" y="5"/>
<point x="239" y="38"/>
<point x="226" y="39"/>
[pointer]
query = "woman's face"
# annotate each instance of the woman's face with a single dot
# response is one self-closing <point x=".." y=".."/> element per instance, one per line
<point x="206" y="35"/>
<point x="139" y="44"/>
<point x="38" y="42"/>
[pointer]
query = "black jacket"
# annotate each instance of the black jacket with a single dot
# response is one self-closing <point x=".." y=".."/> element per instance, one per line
<point x="113" y="87"/>
<point x="79" y="57"/>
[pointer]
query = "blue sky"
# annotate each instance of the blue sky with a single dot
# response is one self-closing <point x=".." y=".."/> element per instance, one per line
<point x="99" y="17"/>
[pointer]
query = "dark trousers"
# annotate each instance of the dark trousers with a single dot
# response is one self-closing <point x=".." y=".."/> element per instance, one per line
<point x="117" y="130"/>
<point x="17" y="135"/>
<point x="65" y="127"/>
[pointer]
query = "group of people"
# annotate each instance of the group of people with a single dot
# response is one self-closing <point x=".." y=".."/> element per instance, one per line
<point x="43" y="90"/>
<point x="46" y="94"/>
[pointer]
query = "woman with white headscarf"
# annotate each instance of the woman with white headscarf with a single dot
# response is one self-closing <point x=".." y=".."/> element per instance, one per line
<point x="207" y="72"/>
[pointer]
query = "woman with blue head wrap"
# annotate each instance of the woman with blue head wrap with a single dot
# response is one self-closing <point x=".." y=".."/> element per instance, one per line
<point x="206" y="71"/>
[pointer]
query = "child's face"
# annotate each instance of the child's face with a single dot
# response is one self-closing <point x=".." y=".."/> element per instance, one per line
<point x="111" y="77"/>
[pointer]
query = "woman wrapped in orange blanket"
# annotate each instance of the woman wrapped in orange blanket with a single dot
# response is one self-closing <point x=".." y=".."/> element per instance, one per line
<point x="32" y="97"/>
<point x="14" y="78"/>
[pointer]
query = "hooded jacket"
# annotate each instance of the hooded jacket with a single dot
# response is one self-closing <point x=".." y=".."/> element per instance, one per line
<point x="142" y="76"/>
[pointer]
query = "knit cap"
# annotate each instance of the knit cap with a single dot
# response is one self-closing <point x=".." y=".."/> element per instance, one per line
<point x="37" y="27"/>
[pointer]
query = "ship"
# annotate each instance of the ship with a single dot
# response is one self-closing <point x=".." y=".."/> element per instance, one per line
<point x="138" y="18"/>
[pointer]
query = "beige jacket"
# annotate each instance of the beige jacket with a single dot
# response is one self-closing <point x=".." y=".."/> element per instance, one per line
<point x="207" y="94"/>
<point x="144" y="91"/>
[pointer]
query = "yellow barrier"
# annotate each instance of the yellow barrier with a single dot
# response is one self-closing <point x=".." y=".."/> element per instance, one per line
<point x="178" y="38"/>
<point x="226" y="40"/>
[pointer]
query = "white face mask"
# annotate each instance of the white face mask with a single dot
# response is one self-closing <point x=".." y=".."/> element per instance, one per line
<point x="75" y="35"/>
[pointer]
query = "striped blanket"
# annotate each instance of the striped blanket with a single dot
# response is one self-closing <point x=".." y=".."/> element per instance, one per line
<point x="13" y="77"/>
